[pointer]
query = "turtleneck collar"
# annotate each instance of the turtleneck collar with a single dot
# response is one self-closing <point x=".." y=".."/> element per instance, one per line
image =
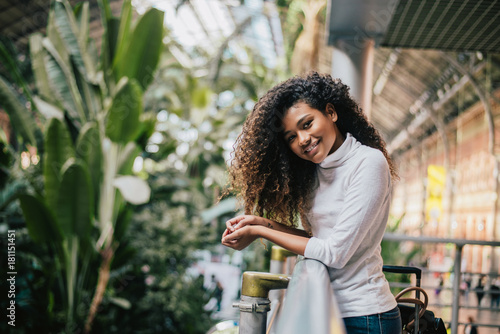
<point x="341" y="154"/>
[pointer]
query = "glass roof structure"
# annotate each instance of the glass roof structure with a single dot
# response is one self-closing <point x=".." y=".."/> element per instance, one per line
<point x="203" y="26"/>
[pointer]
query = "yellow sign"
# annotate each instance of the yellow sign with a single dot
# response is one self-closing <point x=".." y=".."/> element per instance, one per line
<point x="436" y="178"/>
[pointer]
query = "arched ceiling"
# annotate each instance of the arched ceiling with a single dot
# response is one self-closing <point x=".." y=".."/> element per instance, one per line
<point x="415" y="83"/>
<point x="20" y="18"/>
<point x="413" y="80"/>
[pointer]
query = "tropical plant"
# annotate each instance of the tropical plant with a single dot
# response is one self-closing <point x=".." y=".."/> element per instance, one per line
<point x="159" y="281"/>
<point x="302" y="22"/>
<point x="91" y="112"/>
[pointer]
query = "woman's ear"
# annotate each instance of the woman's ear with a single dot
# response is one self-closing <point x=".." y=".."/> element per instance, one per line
<point x="330" y="109"/>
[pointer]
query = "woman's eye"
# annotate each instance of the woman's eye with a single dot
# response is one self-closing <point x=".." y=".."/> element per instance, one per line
<point x="307" y="124"/>
<point x="290" y="139"/>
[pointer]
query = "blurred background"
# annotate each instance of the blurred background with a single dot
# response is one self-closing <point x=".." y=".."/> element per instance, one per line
<point x="117" y="119"/>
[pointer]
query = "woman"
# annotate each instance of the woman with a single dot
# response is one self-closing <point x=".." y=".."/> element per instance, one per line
<point x="307" y="151"/>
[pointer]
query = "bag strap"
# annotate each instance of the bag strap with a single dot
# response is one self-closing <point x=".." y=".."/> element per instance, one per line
<point x="423" y="304"/>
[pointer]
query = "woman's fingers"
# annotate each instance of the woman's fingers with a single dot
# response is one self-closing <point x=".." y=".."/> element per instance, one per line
<point x="229" y="224"/>
<point x="229" y="241"/>
<point x="235" y="223"/>
<point x="229" y="236"/>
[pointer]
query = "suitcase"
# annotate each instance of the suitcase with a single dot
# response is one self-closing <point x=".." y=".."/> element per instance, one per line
<point x="415" y="319"/>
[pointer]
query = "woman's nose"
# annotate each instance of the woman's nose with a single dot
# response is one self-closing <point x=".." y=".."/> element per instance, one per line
<point x="304" y="138"/>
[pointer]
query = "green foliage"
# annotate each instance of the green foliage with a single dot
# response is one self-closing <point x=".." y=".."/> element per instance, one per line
<point x="292" y="17"/>
<point x="21" y="119"/>
<point x="39" y="220"/>
<point x="90" y="110"/>
<point x="123" y="125"/>
<point x="165" y="298"/>
<point x="393" y="255"/>
<point x="90" y="123"/>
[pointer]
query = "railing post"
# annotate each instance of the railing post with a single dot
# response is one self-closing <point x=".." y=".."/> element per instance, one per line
<point x="254" y="303"/>
<point x="456" y="288"/>
<point x="278" y="257"/>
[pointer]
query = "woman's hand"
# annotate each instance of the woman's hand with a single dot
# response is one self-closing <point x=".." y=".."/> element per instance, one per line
<point x="241" y="221"/>
<point x="241" y="237"/>
<point x="241" y="231"/>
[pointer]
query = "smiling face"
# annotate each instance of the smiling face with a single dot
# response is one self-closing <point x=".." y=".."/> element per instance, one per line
<point x="311" y="134"/>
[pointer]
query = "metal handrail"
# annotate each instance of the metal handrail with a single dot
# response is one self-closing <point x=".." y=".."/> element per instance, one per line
<point x="310" y="305"/>
<point x="317" y="311"/>
<point x="457" y="265"/>
<point x="254" y="303"/>
<point x="306" y="285"/>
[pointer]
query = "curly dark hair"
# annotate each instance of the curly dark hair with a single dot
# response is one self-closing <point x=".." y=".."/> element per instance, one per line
<point x="272" y="180"/>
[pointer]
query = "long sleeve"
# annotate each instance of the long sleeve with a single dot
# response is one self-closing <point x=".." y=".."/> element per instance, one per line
<point x="348" y="216"/>
<point x="362" y="216"/>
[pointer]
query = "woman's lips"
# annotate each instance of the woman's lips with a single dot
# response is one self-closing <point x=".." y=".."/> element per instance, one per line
<point x="311" y="147"/>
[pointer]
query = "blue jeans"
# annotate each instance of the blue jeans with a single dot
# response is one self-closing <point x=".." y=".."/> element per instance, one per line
<point x="381" y="323"/>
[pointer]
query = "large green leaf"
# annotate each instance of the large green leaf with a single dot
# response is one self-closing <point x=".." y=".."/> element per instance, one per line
<point x="38" y="53"/>
<point x="78" y="40"/>
<point x="90" y="95"/>
<point x="20" y="117"/>
<point x="88" y="149"/>
<point x="106" y="50"/>
<point x="58" y="149"/>
<point x="122" y="38"/>
<point x="140" y="58"/>
<point x="63" y="83"/>
<point x="75" y="201"/>
<point x="65" y="24"/>
<point x="123" y="124"/>
<point x="46" y="109"/>
<point x="42" y="226"/>
<point x="56" y="37"/>
<point x="113" y="25"/>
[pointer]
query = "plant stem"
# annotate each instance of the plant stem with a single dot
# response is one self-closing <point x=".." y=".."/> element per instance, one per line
<point x="102" y="282"/>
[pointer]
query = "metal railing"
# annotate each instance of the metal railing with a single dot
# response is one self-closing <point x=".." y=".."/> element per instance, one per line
<point x="254" y="303"/>
<point x="308" y="304"/>
<point x="457" y="264"/>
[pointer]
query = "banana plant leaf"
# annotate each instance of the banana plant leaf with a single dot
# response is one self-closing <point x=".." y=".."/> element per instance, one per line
<point x="42" y="226"/>
<point x="124" y="114"/>
<point x="88" y="149"/>
<point x="75" y="201"/>
<point x="63" y="83"/>
<point x="58" y="149"/>
<point x="48" y="110"/>
<point x="122" y="38"/>
<point x="142" y="53"/>
<point x="38" y="53"/>
<point x="82" y="15"/>
<point x="66" y="25"/>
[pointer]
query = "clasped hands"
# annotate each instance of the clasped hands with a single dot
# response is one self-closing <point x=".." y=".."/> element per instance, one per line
<point x="241" y="231"/>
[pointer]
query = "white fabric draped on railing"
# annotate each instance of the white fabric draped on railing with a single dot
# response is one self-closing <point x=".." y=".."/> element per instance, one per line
<point x="309" y="305"/>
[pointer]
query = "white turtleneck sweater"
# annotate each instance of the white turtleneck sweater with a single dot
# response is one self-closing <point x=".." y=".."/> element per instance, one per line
<point x="348" y="219"/>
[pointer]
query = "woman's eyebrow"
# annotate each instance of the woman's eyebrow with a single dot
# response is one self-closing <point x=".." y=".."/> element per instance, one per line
<point x="300" y="121"/>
